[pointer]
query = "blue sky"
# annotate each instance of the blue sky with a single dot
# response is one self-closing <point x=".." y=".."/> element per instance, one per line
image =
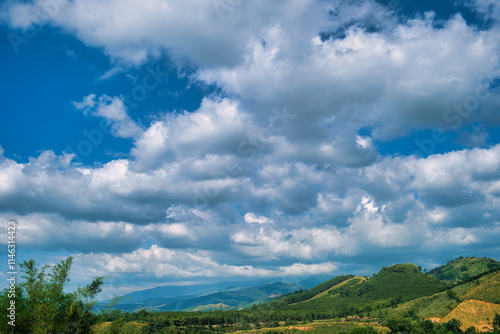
<point x="166" y="142"/>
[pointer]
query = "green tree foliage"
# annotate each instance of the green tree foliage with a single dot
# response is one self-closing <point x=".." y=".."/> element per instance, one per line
<point x="42" y="306"/>
<point x="453" y="326"/>
<point x="388" y="288"/>
<point x="408" y="268"/>
<point x="363" y="330"/>
<point x="410" y="323"/>
<point x="452" y="295"/>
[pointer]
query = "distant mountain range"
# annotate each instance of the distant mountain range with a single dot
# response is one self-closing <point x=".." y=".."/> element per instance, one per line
<point x="220" y="296"/>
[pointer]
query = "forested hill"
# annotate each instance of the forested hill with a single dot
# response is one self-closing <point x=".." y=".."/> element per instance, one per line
<point x="345" y="294"/>
<point x="462" y="268"/>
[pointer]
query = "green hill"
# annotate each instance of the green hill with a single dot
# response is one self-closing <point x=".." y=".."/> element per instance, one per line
<point x="462" y="268"/>
<point x="389" y="287"/>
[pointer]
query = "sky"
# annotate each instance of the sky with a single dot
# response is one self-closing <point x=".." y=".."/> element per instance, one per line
<point x="190" y="142"/>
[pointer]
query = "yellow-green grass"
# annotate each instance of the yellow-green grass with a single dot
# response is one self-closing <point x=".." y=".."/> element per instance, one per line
<point x="318" y="327"/>
<point x="131" y="327"/>
<point x="475" y="313"/>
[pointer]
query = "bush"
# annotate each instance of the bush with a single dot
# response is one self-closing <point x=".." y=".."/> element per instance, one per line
<point x="42" y="306"/>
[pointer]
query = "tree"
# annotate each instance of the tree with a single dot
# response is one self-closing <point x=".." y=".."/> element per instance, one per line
<point x="399" y="325"/>
<point x="395" y="301"/>
<point x="451" y="294"/>
<point x="496" y="321"/>
<point x="44" y="307"/>
<point x="453" y="326"/>
<point x="363" y="330"/>
<point x="471" y="330"/>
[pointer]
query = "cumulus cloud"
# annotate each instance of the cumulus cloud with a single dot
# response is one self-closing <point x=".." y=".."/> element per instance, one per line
<point x="50" y="232"/>
<point x="130" y="30"/>
<point x="359" y="80"/>
<point x="166" y="264"/>
<point x="274" y="60"/>
<point x="214" y="130"/>
<point x="278" y="172"/>
<point x="115" y="192"/>
<point x="391" y="204"/>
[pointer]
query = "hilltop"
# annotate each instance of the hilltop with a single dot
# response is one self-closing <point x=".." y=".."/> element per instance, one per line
<point x="462" y="268"/>
<point x="347" y="295"/>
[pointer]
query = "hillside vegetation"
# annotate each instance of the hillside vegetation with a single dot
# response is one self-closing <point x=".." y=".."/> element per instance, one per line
<point x="437" y="306"/>
<point x="301" y="295"/>
<point x="387" y="288"/>
<point x="462" y="268"/>
<point x="486" y="288"/>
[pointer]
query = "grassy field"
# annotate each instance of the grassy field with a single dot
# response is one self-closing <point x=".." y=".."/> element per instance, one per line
<point x="319" y="327"/>
<point x="474" y="313"/>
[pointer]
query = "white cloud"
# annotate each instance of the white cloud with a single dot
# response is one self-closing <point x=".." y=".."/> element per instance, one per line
<point x="214" y="130"/>
<point x="360" y="81"/>
<point x="227" y="184"/>
<point x="162" y="262"/>
<point x="114" y="111"/>
<point x="51" y="232"/>
<point x="87" y="103"/>
<point x="488" y="8"/>
<point x="253" y="218"/>
<point x="111" y="73"/>
<point x="404" y="76"/>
